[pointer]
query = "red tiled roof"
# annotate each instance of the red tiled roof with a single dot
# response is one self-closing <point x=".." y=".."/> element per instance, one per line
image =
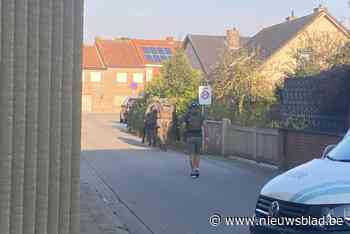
<point x="118" y="53"/>
<point x="167" y="43"/>
<point x="91" y="58"/>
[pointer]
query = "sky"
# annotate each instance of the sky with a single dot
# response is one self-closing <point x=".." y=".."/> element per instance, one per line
<point x="157" y="19"/>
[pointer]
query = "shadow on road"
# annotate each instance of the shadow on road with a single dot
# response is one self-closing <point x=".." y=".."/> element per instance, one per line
<point x="157" y="187"/>
<point x="134" y="142"/>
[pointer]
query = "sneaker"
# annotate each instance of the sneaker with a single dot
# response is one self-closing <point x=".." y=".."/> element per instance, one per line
<point x="196" y="172"/>
<point x="193" y="174"/>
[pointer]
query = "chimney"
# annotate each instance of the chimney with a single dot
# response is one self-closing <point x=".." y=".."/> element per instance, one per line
<point x="233" y="39"/>
<point x="291" y="17"/>
<point x="320" y="8"/>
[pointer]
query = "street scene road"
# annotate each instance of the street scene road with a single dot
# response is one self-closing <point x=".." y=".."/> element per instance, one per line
<point x="153" y="188"/>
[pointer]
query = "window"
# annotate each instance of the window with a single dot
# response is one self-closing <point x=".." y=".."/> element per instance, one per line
<point x="96" y="77"/>
<point x="83" y="76"/>
<point x="138" y="77"/>
<point x="305" y="54"/>
<point x="149" y="74"/>
<point x="122" y="77"/>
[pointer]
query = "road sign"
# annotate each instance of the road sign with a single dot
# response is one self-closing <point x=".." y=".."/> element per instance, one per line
<point x="205" y="95"/>
<point x="133" y="86"/>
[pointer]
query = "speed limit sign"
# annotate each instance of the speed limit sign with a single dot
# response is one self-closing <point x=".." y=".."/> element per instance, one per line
<point x="205" y="95"/>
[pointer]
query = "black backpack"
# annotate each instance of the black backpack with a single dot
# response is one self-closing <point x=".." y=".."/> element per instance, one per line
<point x="194" y="121"/>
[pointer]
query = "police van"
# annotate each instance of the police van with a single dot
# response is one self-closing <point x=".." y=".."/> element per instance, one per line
<point x="318" y="189"/>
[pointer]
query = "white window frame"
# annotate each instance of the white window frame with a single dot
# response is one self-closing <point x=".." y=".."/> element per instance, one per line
<point x="122" y="77"/>
<point x="305" y="54"/>
<point x="149" y="74"/>
<point x="138" y="78"/>
<point x="83" y="76"/>
<point x="96" y="77"/>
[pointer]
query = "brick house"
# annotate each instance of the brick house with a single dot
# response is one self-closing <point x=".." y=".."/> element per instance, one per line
<point x="119" y="68"/>
<point x="275" y="43"/>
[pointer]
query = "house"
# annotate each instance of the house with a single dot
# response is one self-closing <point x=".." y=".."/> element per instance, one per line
<point x="204" y="51"/>
<point x="118" y="68"/>
<point x="276" y="44"/>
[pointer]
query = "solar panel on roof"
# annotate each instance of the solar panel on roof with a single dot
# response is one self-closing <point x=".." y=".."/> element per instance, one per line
<point x="156" y="54"/>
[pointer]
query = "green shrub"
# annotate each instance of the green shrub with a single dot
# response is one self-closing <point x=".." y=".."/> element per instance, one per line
<point x="136" y="116"/>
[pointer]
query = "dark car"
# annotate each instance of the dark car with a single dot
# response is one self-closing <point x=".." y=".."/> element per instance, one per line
<point x="125" y="108"/>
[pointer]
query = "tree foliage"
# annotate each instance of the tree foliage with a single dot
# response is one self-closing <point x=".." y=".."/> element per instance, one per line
<point x="342" y="56"/>
<point x="178" y="82"/>
<point x="316" y="52"/>
<point x="239" y="85"/>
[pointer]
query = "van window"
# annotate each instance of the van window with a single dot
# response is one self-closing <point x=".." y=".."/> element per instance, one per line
<point x="342" y="151"/>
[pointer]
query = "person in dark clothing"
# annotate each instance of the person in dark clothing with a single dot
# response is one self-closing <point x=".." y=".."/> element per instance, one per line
<point x="194" y="121"/>
<point x="150" y="127"/>
<point x="145" y="126"/>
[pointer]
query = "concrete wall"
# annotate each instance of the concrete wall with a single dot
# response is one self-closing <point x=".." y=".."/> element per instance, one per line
<point x="40" y="89"/>
<point x="284" y="148"/>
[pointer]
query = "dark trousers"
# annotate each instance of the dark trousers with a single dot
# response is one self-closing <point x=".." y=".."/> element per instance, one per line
<point x="151" y="135"/>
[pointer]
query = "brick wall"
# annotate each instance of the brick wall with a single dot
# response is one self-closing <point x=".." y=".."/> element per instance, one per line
<point x="107" y="95"/>
<point x="303" y="146"/>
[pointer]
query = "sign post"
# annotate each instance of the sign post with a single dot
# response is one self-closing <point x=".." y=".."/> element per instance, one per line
<point x="133" y="87"/>
<point x="205" y="95"/>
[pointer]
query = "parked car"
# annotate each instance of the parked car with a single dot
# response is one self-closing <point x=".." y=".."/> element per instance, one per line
<point x="319" y="189"/>
<point x="125" y="108"/>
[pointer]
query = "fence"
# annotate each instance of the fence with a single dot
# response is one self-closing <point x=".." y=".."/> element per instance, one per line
<point x="322" y="101"/>
<point x="283" y="148"/>
<point x="261" y="145"/>
<point x="213" y="133"/>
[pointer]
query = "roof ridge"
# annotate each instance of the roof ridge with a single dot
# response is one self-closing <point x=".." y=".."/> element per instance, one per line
<point x="290" y="22"/>
<point x="312" y="17"/>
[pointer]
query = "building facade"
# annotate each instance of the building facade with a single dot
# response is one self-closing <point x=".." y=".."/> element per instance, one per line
<point x="276" y="45"/>
<point x="40" y="52"/>
<point x="120" y="68"/>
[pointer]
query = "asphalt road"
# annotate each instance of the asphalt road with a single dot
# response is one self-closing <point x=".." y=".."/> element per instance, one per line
<point x="154" y="190"/>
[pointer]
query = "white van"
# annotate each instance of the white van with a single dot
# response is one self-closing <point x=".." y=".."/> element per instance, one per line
<point x="317" y="189"/>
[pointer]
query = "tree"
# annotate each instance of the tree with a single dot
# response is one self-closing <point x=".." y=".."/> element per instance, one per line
<point x="178" y="82"/>
<point x="315" y="53"/>
<point x="342" y="56"/>
<point x="239" y="83"/>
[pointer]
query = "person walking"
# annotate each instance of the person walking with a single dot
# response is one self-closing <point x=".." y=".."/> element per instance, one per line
<point x="152" y="128"/>
<point x="194" y="121"/>
<point x="146" y="124"/>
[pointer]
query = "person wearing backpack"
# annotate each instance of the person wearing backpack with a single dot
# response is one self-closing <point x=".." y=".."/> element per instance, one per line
<point x="150" y="127"/>
<point x="194" y="121"/>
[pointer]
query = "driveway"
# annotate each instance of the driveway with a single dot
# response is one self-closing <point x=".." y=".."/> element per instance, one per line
<point x="153" y="190"/>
